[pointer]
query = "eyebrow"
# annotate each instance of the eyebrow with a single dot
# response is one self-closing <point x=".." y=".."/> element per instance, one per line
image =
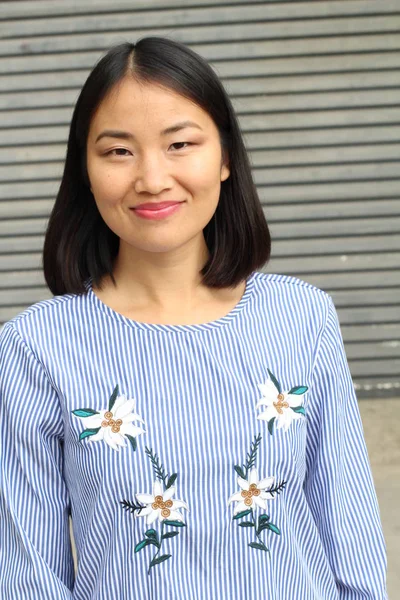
<point x="124" y="135"/>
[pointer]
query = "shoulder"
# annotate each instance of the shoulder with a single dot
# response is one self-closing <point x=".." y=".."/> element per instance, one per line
<point x="288" y="286"/>
<point x="291" y="296"/>
<point x="40" y="320"/>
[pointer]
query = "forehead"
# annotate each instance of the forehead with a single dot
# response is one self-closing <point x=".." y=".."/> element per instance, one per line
<point x="140" y="104"/>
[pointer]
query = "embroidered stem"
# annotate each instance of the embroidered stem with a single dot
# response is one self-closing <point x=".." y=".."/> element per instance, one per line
<point x="158" y="468"/>
<point x="257" y="534"/>
<point x="252" y="455"/>
<point x="159" y="548"/>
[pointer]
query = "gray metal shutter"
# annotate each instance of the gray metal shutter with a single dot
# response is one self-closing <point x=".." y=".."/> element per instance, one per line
<point x="317" y="88"/>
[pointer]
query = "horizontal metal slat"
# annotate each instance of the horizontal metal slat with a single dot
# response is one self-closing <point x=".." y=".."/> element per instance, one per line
<point x="340" y="263"/>
<point x="101" y="8"/>
<point x="294" y="83"/>
<point x="370" y="314"/>
<point x="20" y="262"/>
<point x="361" y="368"/>
<point x="361" y="298"/>
<point x="311" y="119"/>
<point x="329" y="245"/>
<point x="280" y="10"/>
<point x="253" y="122"/>
<point x="200" y="34"/>
<point x="145" y="19"/>
<point x="379" y="387"/>
<point x="22" y="279"/>
<point x="27" y="208"/>
<point x="341" y="44"/>
<point x="243" y="105"/>
<point x="330" y="155"/>
<point x="373" y="350"/>
<point x="330" y="210"/>
<point x="286" y="174"/>
<point x="273" y="193"/>
<point x="26" y="136"/>
<point x="24" y="296"/>
<point x="382" y="332"/>
<point x="21" y="244"/>
<point x="333" y="283"/>
<point x="290" y="84"/>
<point x="22" y="226"/>
<point x="327" y="173"/>
<point x="359" y="280"/>
<point x="340" y="227"/>
<point x="16" y="155"/>
<point x="328" y="191"/>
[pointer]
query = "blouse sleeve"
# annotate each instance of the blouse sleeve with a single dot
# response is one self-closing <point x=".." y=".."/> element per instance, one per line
<point x="35" y="549"/>
<point x="339" y="485"/>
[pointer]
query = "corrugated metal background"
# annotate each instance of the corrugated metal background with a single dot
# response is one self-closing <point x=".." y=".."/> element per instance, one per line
<point x="317" y="88"/>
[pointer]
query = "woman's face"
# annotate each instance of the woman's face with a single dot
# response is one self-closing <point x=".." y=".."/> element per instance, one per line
<point x="148" y="145"/>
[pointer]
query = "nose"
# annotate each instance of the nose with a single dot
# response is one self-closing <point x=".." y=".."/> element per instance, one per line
<point x="152" y="175"/>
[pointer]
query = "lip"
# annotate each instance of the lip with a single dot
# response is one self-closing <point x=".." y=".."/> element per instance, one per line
<point x="155" y="205"/>
<point x="157" y="211"/>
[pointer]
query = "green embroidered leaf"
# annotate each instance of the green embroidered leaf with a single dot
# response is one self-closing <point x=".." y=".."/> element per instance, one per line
<point x="113" y="398"/>
<point x="299" y="390"/>
<point x="88" y="432"/>
<point x="275" y="381"/>
<point x="242" y="514"/>
<point x="158" y="468"/>
<point x="274" y="528"/>
<point x="141" y="545"/>
<point x="246" y="524"/>
<point x="299" y="409"/>
<point x="132" y="441"/>
<point x="175" y="523"/>
<point x="252" y="455"/>
<point x="151" y="533"/>
<point x="171" y="480"/>
<point x="258" y="546"/>
<point x="262" y="527"/>
<point x="263" y="519"/>
<point x="85" y="412"/>
<point x="169" y="534"/>
<point x="240" y="471"/>
<point x="159" y="559"/>
<point x="271" y="425"/>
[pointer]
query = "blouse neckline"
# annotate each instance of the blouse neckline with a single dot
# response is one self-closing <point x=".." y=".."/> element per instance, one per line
<point x="164" y="328"/>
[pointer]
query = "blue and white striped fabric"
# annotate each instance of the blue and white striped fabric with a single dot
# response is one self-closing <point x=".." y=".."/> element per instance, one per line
<point x="239" y="441"/>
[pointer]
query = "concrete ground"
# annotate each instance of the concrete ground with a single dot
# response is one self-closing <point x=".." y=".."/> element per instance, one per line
<point x="381" y="420"/>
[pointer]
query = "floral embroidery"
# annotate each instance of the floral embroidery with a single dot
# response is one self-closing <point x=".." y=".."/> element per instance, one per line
<point x="282" y="407"/>
<point x="113" y="424"/>
<point x="253" y="495"/>
<point x="158" y="506"/>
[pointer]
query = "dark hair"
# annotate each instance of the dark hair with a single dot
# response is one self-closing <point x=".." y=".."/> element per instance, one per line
<point x="79" y="245"/>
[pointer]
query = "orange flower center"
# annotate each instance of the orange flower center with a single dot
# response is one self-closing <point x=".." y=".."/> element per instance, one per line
<point x="248" y="494"/>
<point x="163" y="506"/>
<point x="280" y="405"/>
<point x="110" y="422"/>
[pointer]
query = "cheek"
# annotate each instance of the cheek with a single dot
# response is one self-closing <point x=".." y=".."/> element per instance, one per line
<point x="204" y="175"/>
<point x="107" y="186"/>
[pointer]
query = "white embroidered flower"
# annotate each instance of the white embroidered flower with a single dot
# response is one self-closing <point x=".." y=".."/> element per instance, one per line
<point x="115" y="425"/>
<point x="254" y="492"/>
<point x="285" y="407"/>
<point x="160" y="505"/>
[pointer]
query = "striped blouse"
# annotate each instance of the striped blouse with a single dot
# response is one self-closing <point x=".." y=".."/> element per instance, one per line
<point x="222" y="460"/>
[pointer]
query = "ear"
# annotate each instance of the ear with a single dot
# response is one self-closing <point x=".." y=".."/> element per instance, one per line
<point x="225" y="170"/>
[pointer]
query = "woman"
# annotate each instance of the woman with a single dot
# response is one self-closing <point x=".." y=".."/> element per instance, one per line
<point x="194" y="416"/>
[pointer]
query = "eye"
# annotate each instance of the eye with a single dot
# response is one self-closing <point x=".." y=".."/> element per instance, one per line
<point x="118" y="152"/>
<point x="181" y="145"/>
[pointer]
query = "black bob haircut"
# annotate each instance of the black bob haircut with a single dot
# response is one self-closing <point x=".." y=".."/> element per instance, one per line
<point x="79" y="245"/>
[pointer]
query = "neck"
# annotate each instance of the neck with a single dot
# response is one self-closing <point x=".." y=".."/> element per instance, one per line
<point x="161" y="279"/>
